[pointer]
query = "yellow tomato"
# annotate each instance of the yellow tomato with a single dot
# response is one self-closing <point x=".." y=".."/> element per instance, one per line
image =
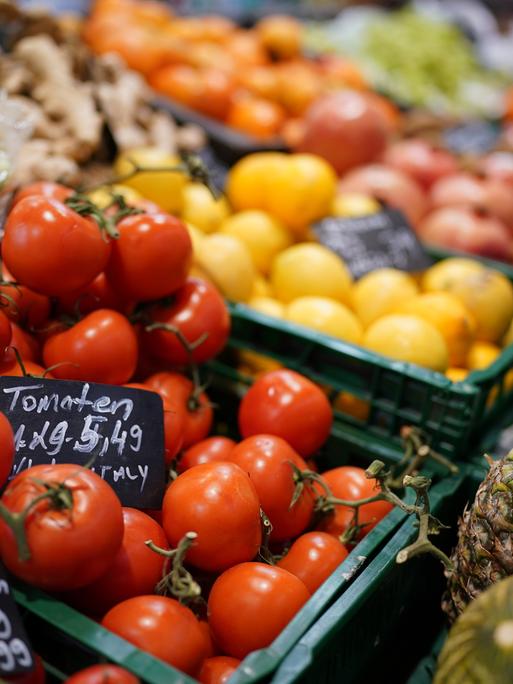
<point x="380" y="292"/>
<point x="164" y="187"/>
<point x="103" y="196"/>
<point x="262" y="234"/>
<point x="352" y="405"/>
<point x="310" y="269"/>
<point x="327" y="316"/>
<point x="261" y="287"/>
<point x="201" y="209"/>
<point x="228" y="264"/>
<point x="267" y="305"/>
<point x="481" y="355"/>
<point x="302" y="190"/>
<point x="445" y="273"/>
<point x="456" y="374"/>
<point x="450" y="317"/>
<point x="247" y="182"/>
<point x="487" y="294"/>
<point x="354" y="204"/>
<point x="196" y="236"/>
<point x="255" y="364"/>
<point x="408" y="338"/>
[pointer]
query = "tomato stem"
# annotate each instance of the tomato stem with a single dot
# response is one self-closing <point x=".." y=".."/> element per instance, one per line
<point x="83" y="205"/>
<point x="191" y="165"/>
<point x="264" y="551"/>
<point x="177" y="581"/>
<point x="60" y="498"/>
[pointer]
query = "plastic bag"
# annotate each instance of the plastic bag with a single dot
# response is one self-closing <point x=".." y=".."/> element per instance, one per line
<point x="15" y="128"/>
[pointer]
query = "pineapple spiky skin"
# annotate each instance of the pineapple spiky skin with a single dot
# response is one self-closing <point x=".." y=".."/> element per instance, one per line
<point x="484" y="552"/>
<point x="479" y="648"/>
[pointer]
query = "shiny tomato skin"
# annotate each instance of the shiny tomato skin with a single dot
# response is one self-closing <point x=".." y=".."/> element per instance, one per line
<point x="102" y="347"/>
<point x="250" y="604"/>
<point x="135" y="570"/>
<point x="9" y="365"/>
<point x="218" y="670"/>
<point x="6" y="449"/>
<point x="174" y="422"/>
<point x="313" y="557"/>
<point x="46" y="189"/>
<point x="162" y="627"/>
<point x="23" y="305"/>
<point x="99" y="294"/>
<point x="50" y="248"/>
<point x="179" y="389"/>
<point x="151" y="258"/>
<point x="35" y="676"/>
<point x="103" y="674"/>
<point x="266" y="459"/>
<point x="350" y="483"/>
<point x="219" y="502"/>
<point x="288" y="405"/>
<point x="5" y="331"/>
<point x="211" y="647"/>
<point x="216" y="448"/>
<point x="95" y="516"/>
<point x="199" y="312"/>
<point x="25" y="343"/>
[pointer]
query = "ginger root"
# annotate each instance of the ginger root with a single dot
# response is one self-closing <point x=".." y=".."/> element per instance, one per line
<point x="62" y="98"/>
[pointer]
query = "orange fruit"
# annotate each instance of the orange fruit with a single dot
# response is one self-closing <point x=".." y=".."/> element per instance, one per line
<point x="280" y="35"/>
<point x="256" y="116"/>
<point x="179" y="82"/>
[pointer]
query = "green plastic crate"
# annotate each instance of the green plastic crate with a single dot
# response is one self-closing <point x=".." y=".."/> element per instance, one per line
<point x="68" y="640"/>
<point x="377" y="630"/>
<point x="426" y="668"/>
<point x="397" y="393"/>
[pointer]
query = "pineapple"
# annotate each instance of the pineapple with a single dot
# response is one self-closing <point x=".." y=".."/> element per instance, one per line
<point x="479" y="648"/>
<point x="484" y="553"/>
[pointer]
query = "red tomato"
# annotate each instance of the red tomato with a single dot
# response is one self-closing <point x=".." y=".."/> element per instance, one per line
<point x="266" y="459"/>
<point x="286" y="404"/>
<point x="198" y="411"/>
<point x="90" y="530"/>
<point x="199" y="312"/>
<point x="103" y="674"/>
<point x="313" y="557"/>
<point x="162" y="627"/>
<point x="22" y="304"/>
<point x="43" y="188"/>
<point x="350" y="483"/>
<point x="36" y="676"/>
<point x="135" y="570"/>
<point x="218" y="670"/>
<point x="9" y="365"/>
<point x="26" y="345"/>
<point x="211" y="647"/>
<point x="219" y="502"/>
<point x="50" y="248"/>
<point x="99" y="294"/>
<point x="250" y="604"/>
<point x="212" y="449"/>
<point x="102" y="347"/>
<point x="151" y="257"/>
<point x="174" y="422"/>
<point x="6" y="449"/>
<point x="5" y="332"/>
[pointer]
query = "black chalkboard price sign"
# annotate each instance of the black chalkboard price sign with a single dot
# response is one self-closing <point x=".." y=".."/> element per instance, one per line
<point x="472" y="137"/>
<point x="119" y="429"/>
<point x="15" y="653"/>
<point x="381" y="240"/>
